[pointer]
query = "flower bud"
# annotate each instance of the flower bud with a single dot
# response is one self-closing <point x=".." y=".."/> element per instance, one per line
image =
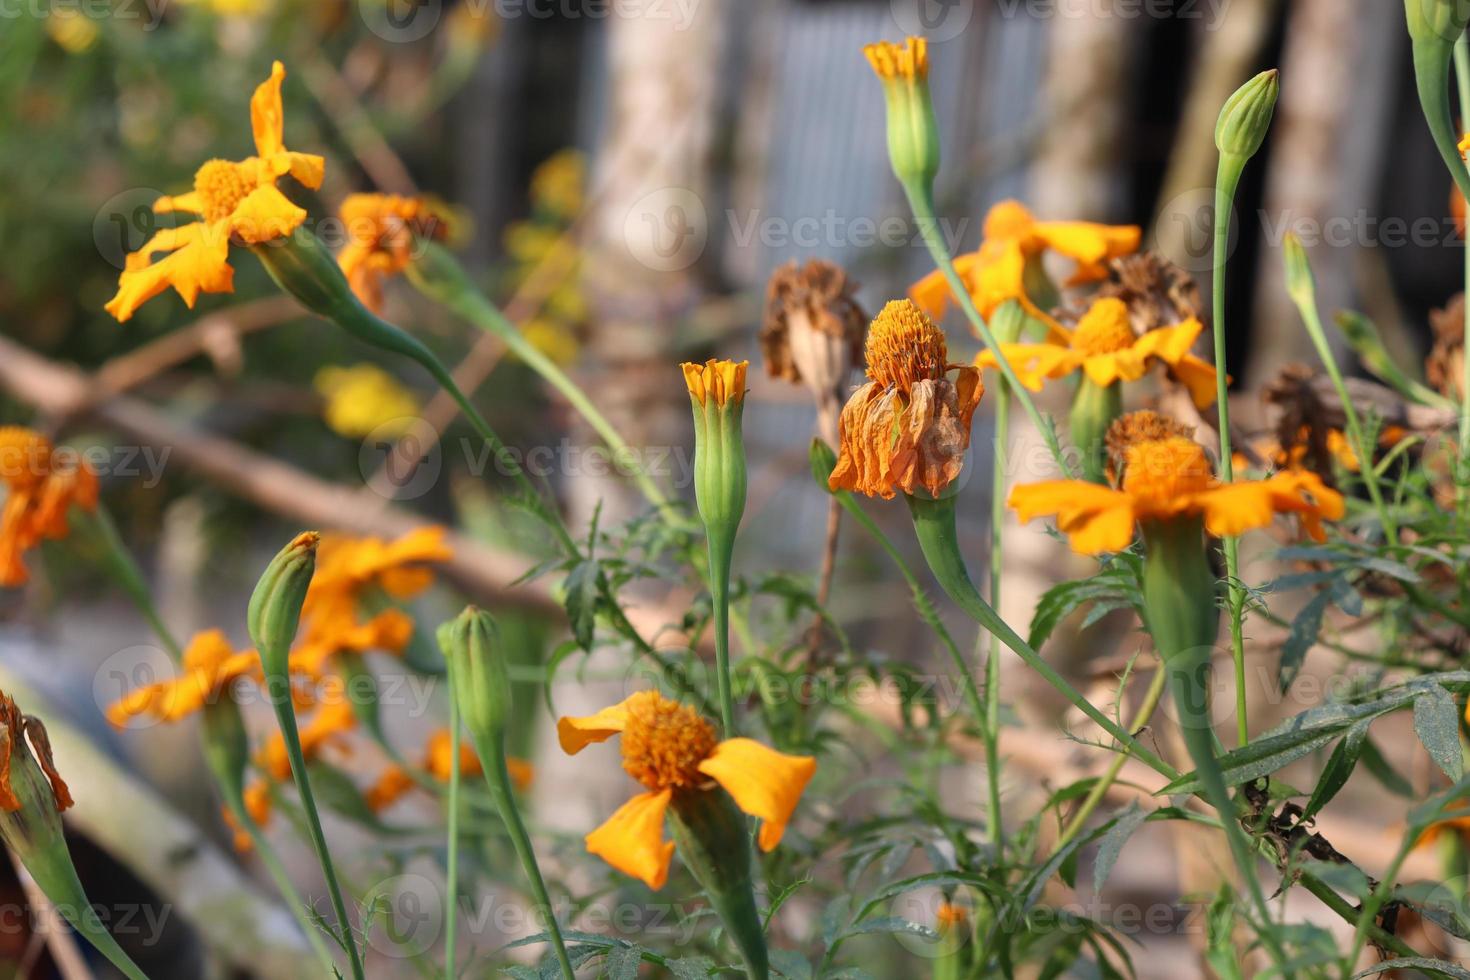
<point x="717" y="395"/>
<point x="1436" y="21"/>
<point x="32" y="792"/>
<point x="1300" y="285"/>
<point x="275" y="606"/>
<point x="913" y="133"/>
<point x="226" y="747"/>
<point x="478" y="673"/>
<point x="1094" y="409"/>
<point x="1247" y="115"/>
<point x="823" y="461"/>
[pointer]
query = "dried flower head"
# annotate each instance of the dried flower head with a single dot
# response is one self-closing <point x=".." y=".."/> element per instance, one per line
<point x="1445" y="366"/>
<point x="1157" y="292"/>
<point x="26" y="745"/>
<point x="813" y="329"/>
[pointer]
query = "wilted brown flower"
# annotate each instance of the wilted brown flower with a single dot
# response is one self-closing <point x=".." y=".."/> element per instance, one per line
<point x="1445" y="366"/>
<point x="1136" y="427"/>
<point x="909" y="426"/>
<point x="1158" y="292"/>
<point x="813" y="329"/>
<point x="1302" y="431"/>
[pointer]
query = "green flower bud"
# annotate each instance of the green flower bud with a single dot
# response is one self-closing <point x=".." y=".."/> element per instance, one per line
<point x="275" y="606"/>
<point x="478" y="673"/>
<point x="823" y="461"/>
<point x="717" y="394"/>
<point x="1300" y="285"/>
<point x="712" y="839"/>
<point x="32" y="792"/>
<point x="913" y="133"/>
<point x="1436" y="21"/>
<point x="1094" y="409"/>
<point x="226" y="747"/>
<point x="1247" y="115"/>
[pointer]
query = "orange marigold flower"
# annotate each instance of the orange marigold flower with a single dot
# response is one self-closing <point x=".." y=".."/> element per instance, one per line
<point x="395" y="781"/>
<point x="1170" y="478"/>
<point x="238" y="202"/>
<point x="1107" y="350"/>
<point x="724" y="381"/>
<point x="210" y="666"/>
<point x="325" y="637"/>
<point x="43" y="483"/>
<point x="381" y="230"/>
<point x="257" y="798"/>
<point x="347" y="566"/>
<point x="909" y="426"/>
<point x="670" y="749"/>
<point x="997" y="271"/>
<point x="391" y="786"/>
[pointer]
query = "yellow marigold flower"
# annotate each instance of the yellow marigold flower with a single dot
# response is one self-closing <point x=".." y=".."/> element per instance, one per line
<point x="43" y="484"/>
<point x="909" y="426"/>
<point x="73" y="30"/>
<point x="24" y="733"/>
<point x="210" y="665"/>
<point x="348" y="566"/>
<point x="670" y="749"/>
<point x="390" y="630"/>
<point x="724" y="381"/>
<point x="557" y="342"/>
<point x="1105" y="347"/>
<point x="557" y="184"/>
<point x="334" y="716"/>
<point x="381" y="229"/>
<point x="1465" y="144"/>
<point x="906" y="62"/>
<point x="996" y="272"/>
<point x="1169" y="478"/>
<point x="363" y="399"/>
<point x="238" y="202"/>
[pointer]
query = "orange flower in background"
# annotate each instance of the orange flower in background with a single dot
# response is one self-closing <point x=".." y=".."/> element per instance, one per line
<point x="237" y="202"/>
<point x="347" y="567"/>
<point x="670" y="749"/>
<point x="395" y="782"/>
<point x="909" y="426"/>
<point x="1105" y="347"/>
<point x="381" y="230"/>
<point x="997" y="271"/>
<point x="210" y="665"/>
<point x="257" y="799"/>
<point x="333" y="718"/>
<point x="43" y="483"/>
<point x="389" y="631"/>
<point x="1169" y="478"/>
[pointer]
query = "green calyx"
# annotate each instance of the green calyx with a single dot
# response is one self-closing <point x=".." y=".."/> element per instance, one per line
<point x="481" y="682"/>
<point x="1436" y="21"/>
<point x="913" y="132"/>
<point x="710" y="835"/>
<point x="1247" y="115"/>
<point x="719" y="464"/>
<point x="1094" y="409"/>
<point x="275" y="605"/>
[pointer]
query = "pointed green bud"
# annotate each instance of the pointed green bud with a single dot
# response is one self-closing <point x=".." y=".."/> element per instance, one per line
<point x="1010" y="321"/>
<point x="717" y="395"/>
<point x="1247" y="115"/>
<point x="913" y="133"/>
<point x="1094" y="409"/>
<point x="478" y="673"/>
<point x="1300" y="285"/>
<point x="1436" y="21"/>
<point x="226" y="747"/>
<point x="275" y="606"/>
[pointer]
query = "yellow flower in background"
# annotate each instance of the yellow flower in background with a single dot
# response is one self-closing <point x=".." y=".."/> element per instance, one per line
<point x="997" y="271"/>
<point x="381" y="230"/>
<point x="233" y="8"/>
<point x="363" y="399"/>
<point x="558" y="184"/>
<point x="211" y="664"/>
<point x="1170" y="478"/>
<point x="557" y="342"/>
<point x="529" y="242"/>
<point x="1107" y="350"/>
<point x="670" y="749"/>
<point x="43" y="483"/>
<point x="909" y="426"/>
<point x="237" y="202"/>
<point x="71" y="29"/>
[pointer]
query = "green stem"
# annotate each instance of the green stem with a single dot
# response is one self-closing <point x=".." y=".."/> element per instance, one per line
<point x="491" y="749"/>
<point x="123" y="568"/>
<point x="451" y="844"/>
<point x="721" y="553"/>
<point x="991" y="724"/>
<point x="1227" y="180"/>
<point x="934" y="525"/>
<point x="1462" y="484"/>
<point x="438" y="275"/>
<point x="280" y="696"/>
<point x="57" y="878"/>
<point x="921" y="202"/>
<point x="1095" y="796"/>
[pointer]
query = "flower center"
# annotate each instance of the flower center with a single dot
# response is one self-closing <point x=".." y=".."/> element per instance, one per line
<point x="904" y="346"/>
<point x="664" y="742"/>
<point x="1104" y="329"/>
<point x="1163" y="470"/>
<point x="221" y="186"/>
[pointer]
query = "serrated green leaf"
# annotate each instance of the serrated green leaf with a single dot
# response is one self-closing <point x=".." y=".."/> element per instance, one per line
<point x="622" y="963"/>
<point x="1340" y="765"/>
<point x="582" y="595"/>
<point x="1437" y="723"/>
<point x="1112" y="843"/>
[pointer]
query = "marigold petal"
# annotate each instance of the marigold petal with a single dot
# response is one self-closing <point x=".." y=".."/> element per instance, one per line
<point x="762" y="782"/>
<point x="1199" y="377"/>
<point x="265" y="215"/>
<point x="1033" y="363"/>
<point x="1090" y="244"/>
<point x="1235" y="508"/>
<point x="632" y="839"/>
<point x="199" y="262"/>
<point x="575" y="734"/>
<point x="190" y="203"/>
<point x="1170" y="344"/>
<point x="1096" y="519"/>
<point x="267" y="117"/>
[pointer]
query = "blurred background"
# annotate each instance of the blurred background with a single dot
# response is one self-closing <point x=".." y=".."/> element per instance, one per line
<point x="625" y="176"/>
